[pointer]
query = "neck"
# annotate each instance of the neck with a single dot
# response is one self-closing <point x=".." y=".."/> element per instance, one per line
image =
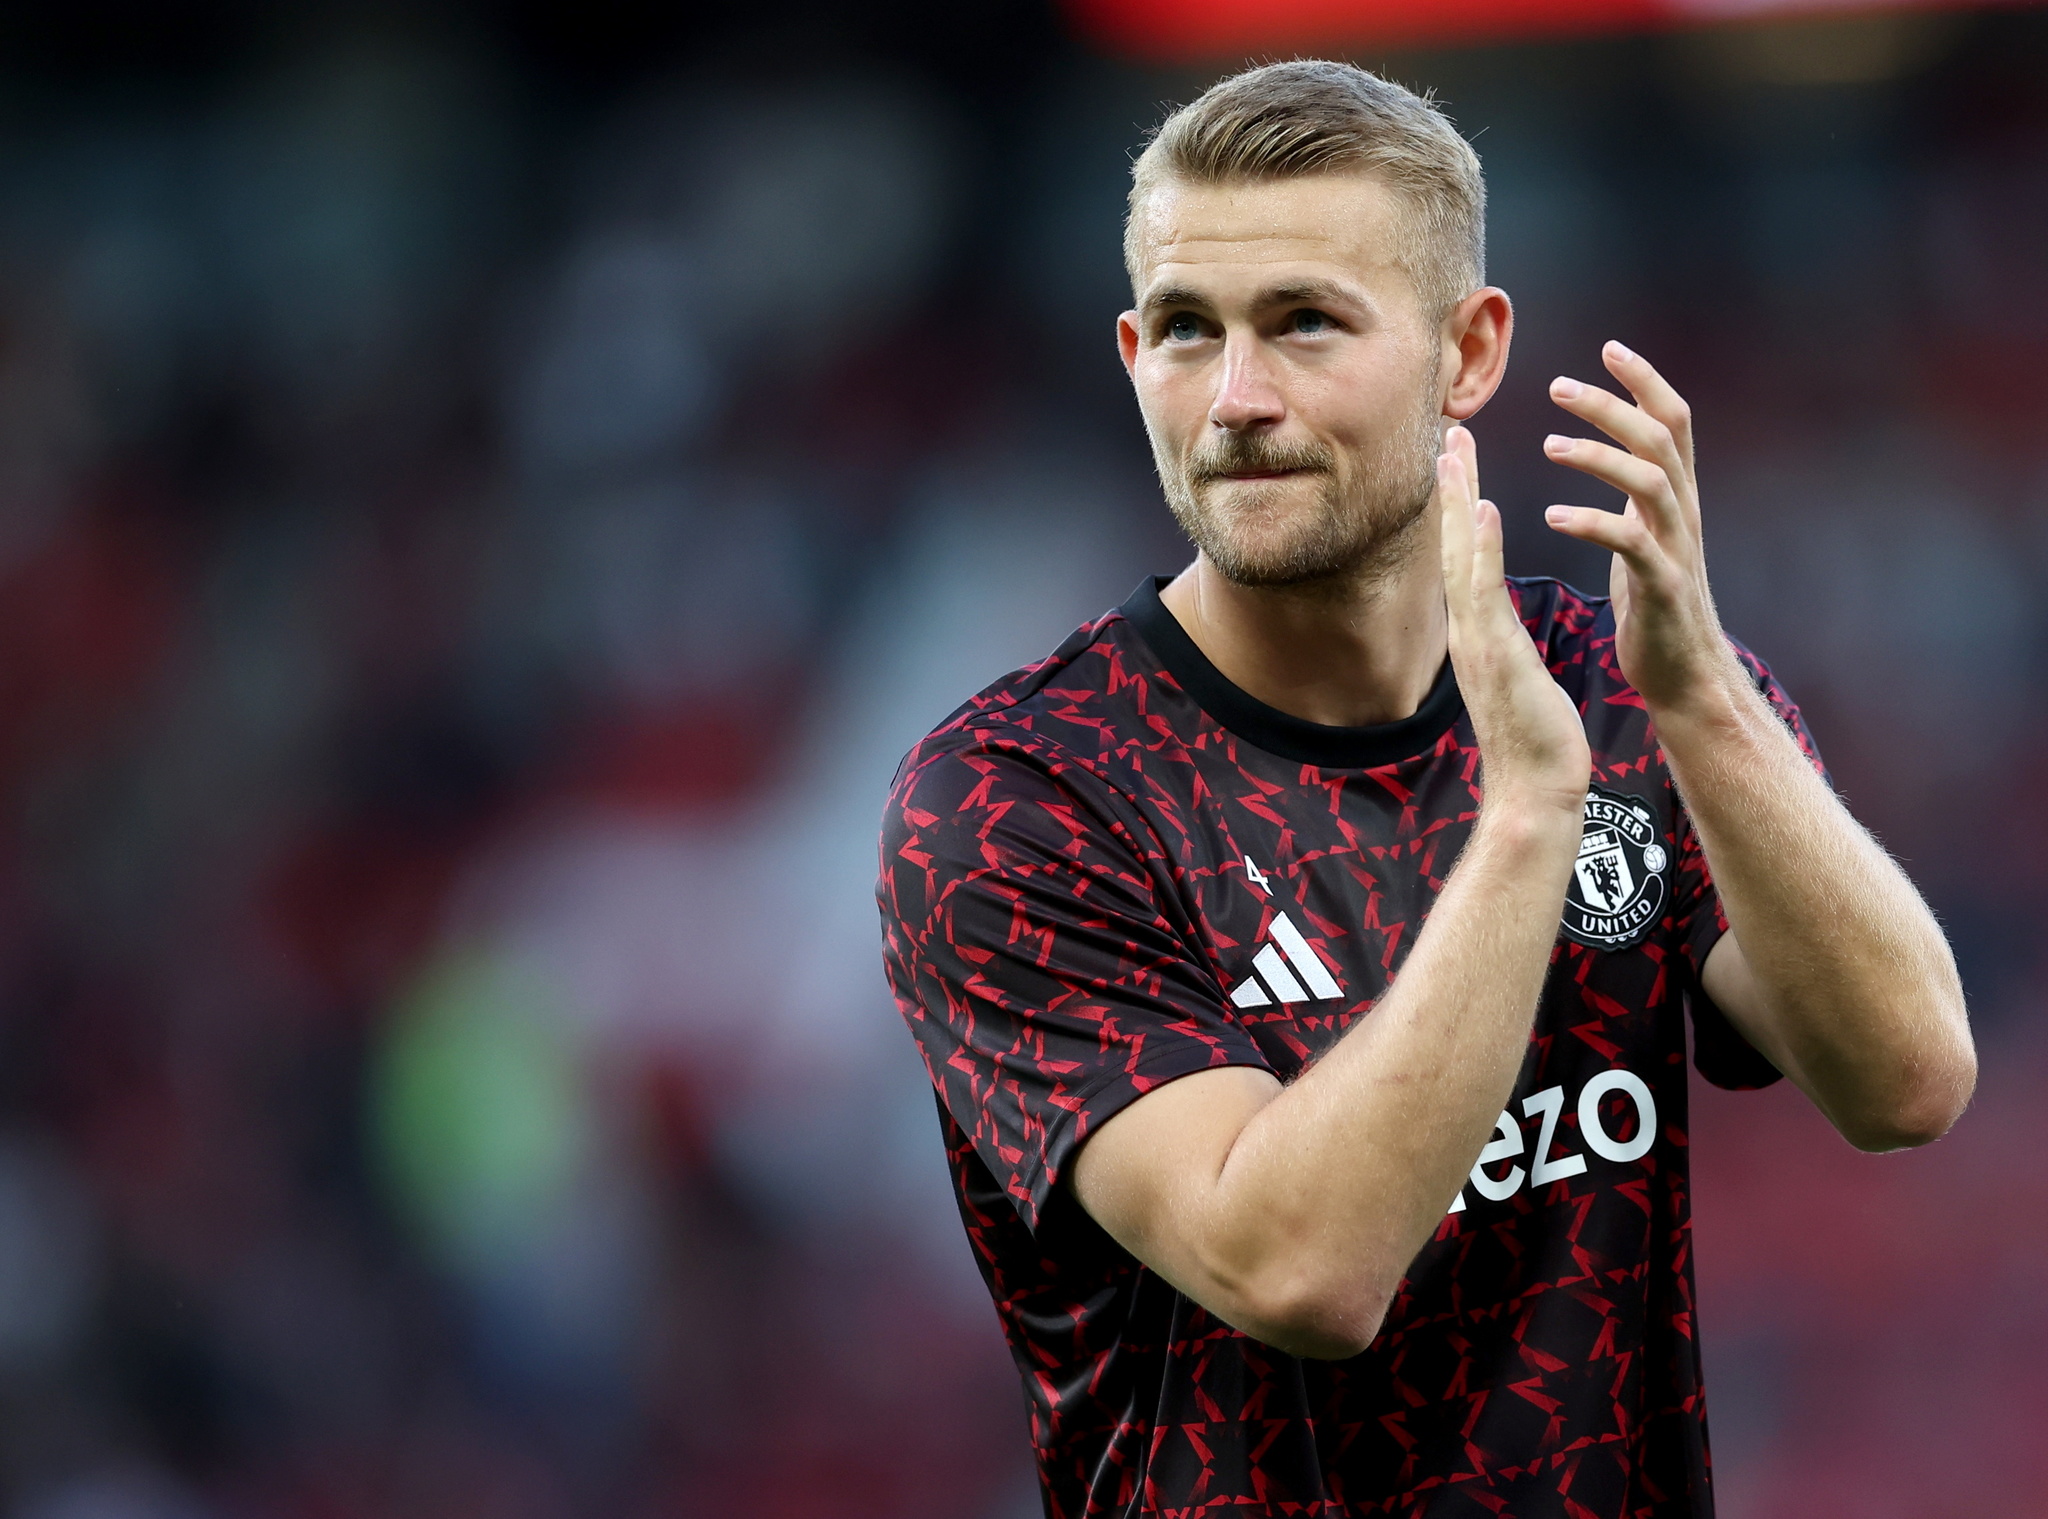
<point x="1349" y="651"/>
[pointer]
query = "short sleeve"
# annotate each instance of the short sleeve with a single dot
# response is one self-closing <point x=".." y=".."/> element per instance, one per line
<point x="1720" y="1052"/>
<point x="1049" y="977"/>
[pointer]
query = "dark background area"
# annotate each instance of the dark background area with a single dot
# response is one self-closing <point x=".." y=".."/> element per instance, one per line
<point x="487" y="493"/>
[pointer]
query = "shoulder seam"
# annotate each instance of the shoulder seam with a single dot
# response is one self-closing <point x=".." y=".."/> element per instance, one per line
<point x="1044" y="670"/>
<point x="1056" y="753"/>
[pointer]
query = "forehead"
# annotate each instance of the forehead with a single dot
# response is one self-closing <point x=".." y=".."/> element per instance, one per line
<point x="1344" y="224"/>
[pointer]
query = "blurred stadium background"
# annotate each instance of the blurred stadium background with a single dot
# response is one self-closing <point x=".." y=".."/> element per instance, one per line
<point x="487" y="492"/>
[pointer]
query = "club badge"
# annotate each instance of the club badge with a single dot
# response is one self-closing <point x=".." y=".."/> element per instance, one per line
<point x="1617" y="889"/>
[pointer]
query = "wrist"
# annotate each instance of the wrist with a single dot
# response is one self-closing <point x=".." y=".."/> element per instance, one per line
<point x="1723" y="699"/>
<point x="1531" y="819"/>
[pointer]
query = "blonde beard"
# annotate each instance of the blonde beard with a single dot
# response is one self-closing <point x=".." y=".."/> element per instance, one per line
<point x="1355" y="528"/>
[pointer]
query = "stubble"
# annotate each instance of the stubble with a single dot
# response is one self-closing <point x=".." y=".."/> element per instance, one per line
<point x="1362" y="514"/>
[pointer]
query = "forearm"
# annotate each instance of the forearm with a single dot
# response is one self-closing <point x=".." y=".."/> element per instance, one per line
<point x="1332" y="1187"/>
<point x="1840" y="975"/>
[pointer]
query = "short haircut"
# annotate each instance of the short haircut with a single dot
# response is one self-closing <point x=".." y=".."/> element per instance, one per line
<point x="1288" y="120"/>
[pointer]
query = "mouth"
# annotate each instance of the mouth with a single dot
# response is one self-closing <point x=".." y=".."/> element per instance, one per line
<point x="1259" y="474"/>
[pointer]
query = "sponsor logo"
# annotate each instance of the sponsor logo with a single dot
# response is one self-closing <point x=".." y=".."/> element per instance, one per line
<point x="1599" y="1131"/>
<point x="1618" y="884"/>
<point x="1287" y="969"/>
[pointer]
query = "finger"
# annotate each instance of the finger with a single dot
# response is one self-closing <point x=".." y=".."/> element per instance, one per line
<point x="1644" y="482"/>
<point x="1654" y="394"/>
<point x="1622" y="534"/>
<point x="1457" y="477"/>
<point x="1454" y="496"/>
<point x="1489" y="572"/>
<point x="1630" y="426"/>
<point x="1495" y="607"/>
<point x="1459" y="440"/>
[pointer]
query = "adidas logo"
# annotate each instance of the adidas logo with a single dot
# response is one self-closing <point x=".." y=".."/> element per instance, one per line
<point x="1273" y="981"/>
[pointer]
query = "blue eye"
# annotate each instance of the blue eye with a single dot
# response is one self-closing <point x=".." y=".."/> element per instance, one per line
<point x="1184" y="328"/>
<point x="1310" y="321"/>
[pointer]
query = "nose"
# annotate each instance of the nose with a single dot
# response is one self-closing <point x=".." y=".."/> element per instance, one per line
<point x="1247" y="395"/>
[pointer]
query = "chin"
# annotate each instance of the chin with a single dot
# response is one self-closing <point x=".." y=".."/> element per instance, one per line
<point x="1273" y="512"/>
<point x="1275" y="550"/>
<point x="1265" y="533"/>
<point x="1268" y="560"/>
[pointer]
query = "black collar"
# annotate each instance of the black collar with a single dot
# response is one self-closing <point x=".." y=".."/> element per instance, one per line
<point x="1277" y="732"/>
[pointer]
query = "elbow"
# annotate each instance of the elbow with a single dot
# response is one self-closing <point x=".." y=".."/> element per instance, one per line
<point x="1321" y="1323"/>
<point x="1925" y="1111"/>
<point x="1896" y="1132"/>
<point x="1931" y="1079"/>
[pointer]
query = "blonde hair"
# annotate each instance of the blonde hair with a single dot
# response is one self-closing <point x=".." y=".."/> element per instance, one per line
<point x="1311" y="116"/>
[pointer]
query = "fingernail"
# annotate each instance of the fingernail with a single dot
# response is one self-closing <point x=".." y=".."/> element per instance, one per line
<point x="1557" y="516"/>
<point x="1565" y="388"/>
<point x="1615" y="350"/>
<point x="1557" y="443"/>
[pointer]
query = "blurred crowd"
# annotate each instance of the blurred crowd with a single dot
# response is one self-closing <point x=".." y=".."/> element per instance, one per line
<point x="478" y="529"/>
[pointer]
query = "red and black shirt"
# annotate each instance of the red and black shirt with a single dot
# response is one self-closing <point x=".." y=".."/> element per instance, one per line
<point x="1114" y="868"/>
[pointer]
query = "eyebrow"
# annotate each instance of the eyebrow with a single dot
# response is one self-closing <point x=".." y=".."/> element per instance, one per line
<point x="1174" y="295"/>
<point x="1305" y="290"/>
<point x="1291" y="293"/>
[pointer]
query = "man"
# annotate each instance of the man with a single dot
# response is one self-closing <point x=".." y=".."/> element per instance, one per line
<point x="1301" y="953"/>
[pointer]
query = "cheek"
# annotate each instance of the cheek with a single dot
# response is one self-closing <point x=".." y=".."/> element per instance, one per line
<point x="1171" y="398"/>
<point x="1343" y="409"/>
<point x="1361" y="406"/>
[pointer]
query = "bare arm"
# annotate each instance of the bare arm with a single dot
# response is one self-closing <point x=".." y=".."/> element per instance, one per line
<point x="1293" y="1212"/>
<point x="1833" y="967"/>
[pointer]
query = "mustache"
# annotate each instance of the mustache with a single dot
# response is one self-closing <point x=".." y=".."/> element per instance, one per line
<point x="1250" y="454"/>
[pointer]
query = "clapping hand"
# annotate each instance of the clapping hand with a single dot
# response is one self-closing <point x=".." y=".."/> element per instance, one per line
<point x="1668" y="635"/>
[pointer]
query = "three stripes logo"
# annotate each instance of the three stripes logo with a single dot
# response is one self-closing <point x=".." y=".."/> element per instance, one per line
<point x="1285" y="970"/>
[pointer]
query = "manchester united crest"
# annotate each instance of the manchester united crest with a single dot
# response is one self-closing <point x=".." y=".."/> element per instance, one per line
<point x="1617" y="889"/>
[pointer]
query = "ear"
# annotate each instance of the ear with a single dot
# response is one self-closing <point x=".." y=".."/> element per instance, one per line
<point x="1127" y="339"/>
<point x="1475" y="350"/>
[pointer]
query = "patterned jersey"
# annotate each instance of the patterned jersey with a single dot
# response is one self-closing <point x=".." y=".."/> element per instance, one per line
<point x="1114" y="868"/>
